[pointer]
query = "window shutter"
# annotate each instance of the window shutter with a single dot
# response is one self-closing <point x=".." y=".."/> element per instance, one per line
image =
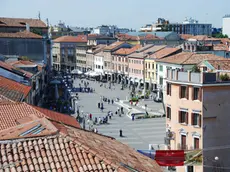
<point x="187" y="92"/>
<point x="200" y="94"/>
<point x="170" y="89"/>
<point x="180" y="92"/>
<point x="192" y="118"/>
<point x="200" y="120"/>
<point x="179" y="117"/>
<point x="186" y="120"/>
<point x="167" y="112"/>
<point x="192" y="93"/>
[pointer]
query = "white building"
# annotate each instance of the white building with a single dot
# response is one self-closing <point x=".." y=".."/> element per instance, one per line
<point x="99" y="63"/>
<point x="226" y="25"/>
<point x="109" y="30"/>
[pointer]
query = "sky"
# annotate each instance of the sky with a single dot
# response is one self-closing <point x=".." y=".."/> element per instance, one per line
<point x="123" y="13"/>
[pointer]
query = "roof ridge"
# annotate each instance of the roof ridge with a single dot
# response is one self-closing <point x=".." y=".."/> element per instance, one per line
<point x="188" y="58"/>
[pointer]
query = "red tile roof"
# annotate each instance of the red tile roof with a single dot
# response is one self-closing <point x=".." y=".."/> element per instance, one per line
<point x="71" y="149"/>
<point x="126" y="37"/>
<point x="21" y="22"/>
<point x="24" y="35"/>
<point x="185" y="36"/>
<point x="72" y="39"/>
<point x="127" y="51"/>
<point x="5" y="100"/>
<point x="220" y="47"/>
<point x="114" y="45"/>
<point x="68" y="120"/>
<point x="13" y="90"/>
<point x="189" y="58"/>
<point x="24" y="62"/>
<point x="13" y="69"/>
<point x="204" y="38"/>
<point x="164" y="52"/>
<point x="9" y="113"/>
<point x="150" y="37"/>
<point x="220" y="64"/>
<point x="225" y="40"/>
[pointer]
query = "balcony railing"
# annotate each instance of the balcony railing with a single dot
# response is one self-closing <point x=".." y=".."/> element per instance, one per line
<point x="182" y="146"/>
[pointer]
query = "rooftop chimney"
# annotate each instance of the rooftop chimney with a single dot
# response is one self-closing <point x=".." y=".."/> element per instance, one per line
<point x="27" y="27"/>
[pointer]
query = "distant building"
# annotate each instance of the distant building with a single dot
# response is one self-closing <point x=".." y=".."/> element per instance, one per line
<point x="66" y="49"/>
<point x="95" y="39"/>
<point x="226" y="25"/>
<point x="109" y="30"/>
<point x="188" y="26"/>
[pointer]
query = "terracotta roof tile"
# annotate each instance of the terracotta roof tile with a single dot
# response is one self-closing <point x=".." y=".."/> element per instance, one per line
<point x="127" y="51"/>
<point x="220" y="64"/>
<point x="9" y="113"/>
<point x="150" y="37"/>
<point x="5" y="100"/>
<point x="21" y="22"/>
<point x="68" y="120"/>
<point x="13" y="90"/>
<point x="13" y="69"/>
<point x="146" y="51"/>
<point x="113" y="45"/>
<point x="189" y="58"/>
<point x="24" y="62"/>
<point x="76" y="150"/>
<point x="164" y="52"/>
<point x="204" y="38"/>
<point x="73" y="39"/>
<point x="220" y="47"/>
<point x="185" y="36"/>
<point x="23" y="35"/>
<point x="126" y="37"/>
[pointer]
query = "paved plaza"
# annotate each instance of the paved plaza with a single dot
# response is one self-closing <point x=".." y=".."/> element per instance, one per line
<point x="137" y="134"/>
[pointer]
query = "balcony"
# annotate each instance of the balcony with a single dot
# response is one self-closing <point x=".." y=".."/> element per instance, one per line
<point x="197" y="78"/>
<point x="182" y="146"/>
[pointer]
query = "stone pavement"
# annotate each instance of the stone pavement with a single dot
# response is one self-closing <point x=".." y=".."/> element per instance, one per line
<point x="137" y="134"/>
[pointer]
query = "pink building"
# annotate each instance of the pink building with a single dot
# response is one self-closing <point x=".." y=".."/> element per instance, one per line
<point x="120" y="62"/>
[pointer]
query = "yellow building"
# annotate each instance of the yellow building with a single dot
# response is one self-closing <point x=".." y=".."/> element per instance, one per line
<point x="151" y="64"/>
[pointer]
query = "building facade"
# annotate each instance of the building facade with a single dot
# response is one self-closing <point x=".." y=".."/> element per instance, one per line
<point x="90" y="55"/>
<point x="196" y="104"/>
<point x="226" y="25"/>
<point x="99" y="63"/>
<point x="68" y="52"/>
<point x="95" y="39"/>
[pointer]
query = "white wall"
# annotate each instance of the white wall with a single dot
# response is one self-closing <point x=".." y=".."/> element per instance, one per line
<point x="216" y="125"/>
<point x="226" y="26"/>
<point x="98" y="64"/>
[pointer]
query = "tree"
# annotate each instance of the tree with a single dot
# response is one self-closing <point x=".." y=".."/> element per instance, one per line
<point x="220" y="35"/>
<point x="195" y="69"/>
<point x="224" y="77"/>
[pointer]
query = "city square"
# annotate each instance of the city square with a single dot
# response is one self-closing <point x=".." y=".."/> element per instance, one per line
<point x="138" y="133"/>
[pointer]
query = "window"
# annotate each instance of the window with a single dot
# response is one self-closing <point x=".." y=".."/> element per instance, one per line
<point x="183" y="117"/>
<point x="195" y="93"/>
<point x="161" y="81"/>
<point x="190" y="169"/>
<point x="168" y="112"/>
<point x="169" y="91"/>
<point x="161" y="68"/>
<point x="184" y="92"/>
<point x="196" y="119"/>
<point x="196" y="143"/>
<point x="152" y="65"/>
<point x="149" y="65"/>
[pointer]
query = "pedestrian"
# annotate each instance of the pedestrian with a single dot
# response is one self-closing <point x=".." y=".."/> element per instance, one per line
<point x="121" y="134"/>
<point x="112" y="101"/>
<point x="98" y="105"/>
<point x="90" y="116"/>
<point x="122" y="110"/>
<point x="108" y="101"/>
<point x="132" y="117"/>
